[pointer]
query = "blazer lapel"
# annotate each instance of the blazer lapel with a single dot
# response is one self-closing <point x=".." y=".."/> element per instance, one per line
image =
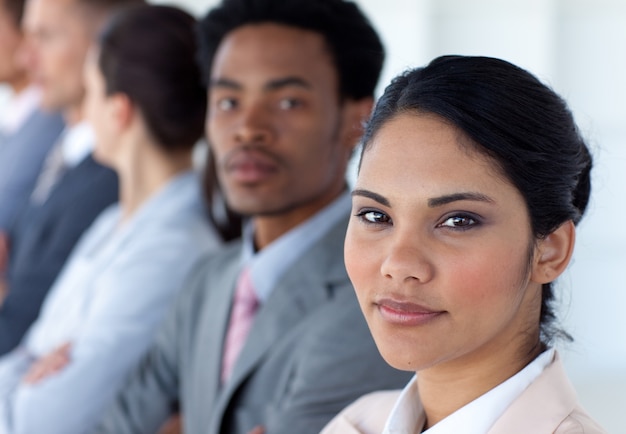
<point x="306" y="286"/>
<point x="542" y="406"/>
<point x="206" y="368"/>
<point x="37" y="219"/>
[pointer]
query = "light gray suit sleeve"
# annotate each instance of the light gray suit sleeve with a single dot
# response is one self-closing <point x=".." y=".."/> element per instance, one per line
<point x="153" y="389"/>
<point x="333" y="366"/>
<point x="145" y="402"/>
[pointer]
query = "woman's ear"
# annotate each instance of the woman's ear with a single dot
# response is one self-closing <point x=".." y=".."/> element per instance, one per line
<point x="553" y="253"/>
<point x="121" y="110"/>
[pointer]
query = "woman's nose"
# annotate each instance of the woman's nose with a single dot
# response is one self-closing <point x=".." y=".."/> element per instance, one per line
<point x="407" y="259"/>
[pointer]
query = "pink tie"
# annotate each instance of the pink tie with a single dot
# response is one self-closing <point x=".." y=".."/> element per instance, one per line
<point x="245" y="305"/>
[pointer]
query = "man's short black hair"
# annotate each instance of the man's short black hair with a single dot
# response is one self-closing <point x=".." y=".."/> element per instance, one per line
<point x="356" y="49"/>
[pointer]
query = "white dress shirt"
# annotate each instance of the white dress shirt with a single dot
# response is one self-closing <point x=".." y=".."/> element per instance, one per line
<point x="18" y="110"/>
<point x="407" y="416"/>
<point x="77" y="142"/>
<point x="73" y="146"/>
<point x="108" y="301"/>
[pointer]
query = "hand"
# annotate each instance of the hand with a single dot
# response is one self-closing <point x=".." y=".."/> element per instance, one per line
<point x="49" y="364"/>
<point x="257" y="430"/>
<point x="174" y="425"/>
<point x="4" y="252"/>
<point x="4" y="290"/>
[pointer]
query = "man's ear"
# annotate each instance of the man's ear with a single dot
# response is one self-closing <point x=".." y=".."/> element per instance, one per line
<point x="553" y="253"/>
<point x="355" y="114"/>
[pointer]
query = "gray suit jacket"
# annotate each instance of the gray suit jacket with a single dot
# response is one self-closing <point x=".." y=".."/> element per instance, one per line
<point x="308" y="355"/>
<point x="43" y="237"/>
<point x="21" y="157"/>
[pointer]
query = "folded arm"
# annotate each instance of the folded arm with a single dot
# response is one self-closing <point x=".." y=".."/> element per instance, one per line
<point x="121" y="323"/>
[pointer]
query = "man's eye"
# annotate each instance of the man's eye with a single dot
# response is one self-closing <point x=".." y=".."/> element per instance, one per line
<point x="373" y="217"/>
<point x="289" y="103"/>
<point x="226" y="104"/>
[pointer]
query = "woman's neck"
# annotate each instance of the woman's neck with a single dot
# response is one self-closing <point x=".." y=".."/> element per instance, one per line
<point x="144" y="172"/>
<point x="447" y="387"/>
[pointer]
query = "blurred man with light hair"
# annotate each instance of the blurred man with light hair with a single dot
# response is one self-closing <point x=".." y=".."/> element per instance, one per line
<point x="72" y="189"/>
<point x="26" y="132"/>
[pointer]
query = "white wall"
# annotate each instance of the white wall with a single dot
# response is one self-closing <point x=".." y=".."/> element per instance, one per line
<point x="579" y="47"/>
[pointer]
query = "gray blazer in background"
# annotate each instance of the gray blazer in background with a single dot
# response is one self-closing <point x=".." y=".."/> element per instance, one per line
<point x="43" y="237"/>
<point x="308" y="355"/>
<point x="21" y="158"/>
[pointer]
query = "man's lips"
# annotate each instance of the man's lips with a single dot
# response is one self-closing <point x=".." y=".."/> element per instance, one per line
<point x="405" y="312"/>
<point x="250" y="167"/>
<point x="37" y="80"/>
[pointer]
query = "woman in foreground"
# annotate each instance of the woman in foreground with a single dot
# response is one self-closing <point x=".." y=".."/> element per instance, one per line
<point x="472" y="178"/>
<point x="147" y="105"/>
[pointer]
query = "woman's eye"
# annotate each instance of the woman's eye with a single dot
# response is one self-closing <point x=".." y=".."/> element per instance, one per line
<point x="459" y="222"/>
<point x="226" y="104"/>
<point x="373" y="217"/>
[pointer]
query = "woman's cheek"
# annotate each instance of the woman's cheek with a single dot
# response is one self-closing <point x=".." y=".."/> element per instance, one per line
<point x="481" y="280"/>
<point x="358" y="256"/>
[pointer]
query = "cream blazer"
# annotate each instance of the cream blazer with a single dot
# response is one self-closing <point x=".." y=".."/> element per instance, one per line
<point x="548" y="406"/>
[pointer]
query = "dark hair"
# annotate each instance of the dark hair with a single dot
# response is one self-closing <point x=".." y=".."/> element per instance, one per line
<point x="148" y="53"/>
<point x="107" y="6"/>
<point x="352" y="41"/>
<point x="514" y="119"/>
<point x="15" y="8"/>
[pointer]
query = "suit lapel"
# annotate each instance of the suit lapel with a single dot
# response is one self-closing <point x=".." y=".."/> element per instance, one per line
<point x="211" y="332"/>
<point x="542" y="406"/>
<point x="67" y="188"/>
<point x="306" y="286"/>
<point x="37" y="219"/>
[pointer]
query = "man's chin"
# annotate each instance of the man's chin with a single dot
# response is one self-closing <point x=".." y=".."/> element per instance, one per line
<point x="257" y="207"/>
<point x="49" y="104"/>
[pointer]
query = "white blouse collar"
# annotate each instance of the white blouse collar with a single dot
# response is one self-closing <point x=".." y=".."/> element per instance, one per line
<point x="407" y="416"/>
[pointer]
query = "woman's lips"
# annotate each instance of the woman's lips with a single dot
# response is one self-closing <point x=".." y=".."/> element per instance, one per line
<point x="405" y="313"/>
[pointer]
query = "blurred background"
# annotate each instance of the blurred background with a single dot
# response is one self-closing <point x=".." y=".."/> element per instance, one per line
<point x="579" y="48"/>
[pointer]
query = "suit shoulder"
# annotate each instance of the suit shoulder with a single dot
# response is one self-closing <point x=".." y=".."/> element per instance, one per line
<point x="217" y="259"/>
<point x="338" y="331"/>
<point x="579" y="422"/>
<point x="340" y="315"/>
<point x="381" y="402"/>
<point x="367" y="415"/>
<point x="209" y="266"/>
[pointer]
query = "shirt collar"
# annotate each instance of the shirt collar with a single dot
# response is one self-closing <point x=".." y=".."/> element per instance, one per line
<point x="19" y="108"/>
<point x="407" y="415"/>
<point x="477" y="417"/>
<point x="77" y="142"/>
<point x="268" y="265"/>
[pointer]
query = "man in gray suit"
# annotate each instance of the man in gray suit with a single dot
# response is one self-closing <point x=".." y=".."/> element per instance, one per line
<point x="290" y="84"/>
<point x="72" y="189"/>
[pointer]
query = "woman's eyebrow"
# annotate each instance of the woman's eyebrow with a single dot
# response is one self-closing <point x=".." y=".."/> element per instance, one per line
<point x="432" y="202"/>
<point x="455" y="197"/>
<point x="371" y="195"/>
